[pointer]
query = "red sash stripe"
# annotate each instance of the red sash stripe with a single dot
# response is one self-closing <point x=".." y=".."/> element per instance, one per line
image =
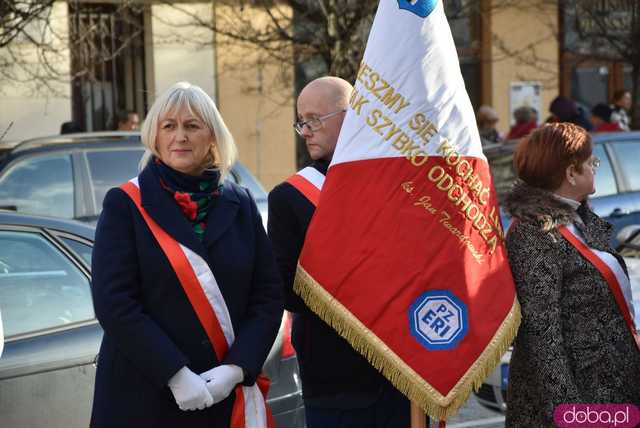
<point x="607" y="274"/>
<point x="237" y="413"/>
<point x="307" y="188"/>
<point x="186" y="276"/>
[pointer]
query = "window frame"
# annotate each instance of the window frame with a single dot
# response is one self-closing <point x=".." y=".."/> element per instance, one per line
<point x="73" y="258"/>
<point x="621" y="175"/>
<point x="615" y="169"/>
<point x="124" y="69"/>
<point x="76" y="177"/>
<point x="60" y="236"/>
<point x="93" y="207"/>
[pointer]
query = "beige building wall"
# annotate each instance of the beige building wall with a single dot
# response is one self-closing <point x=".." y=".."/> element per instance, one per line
<point x="35" y="109"/>
<point x="181" y="50"/>
<point x="255" y="96"/>
<point x="524" y="47"/>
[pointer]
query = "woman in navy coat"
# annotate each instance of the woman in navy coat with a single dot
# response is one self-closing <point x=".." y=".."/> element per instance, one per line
<point x="158" y="365"/>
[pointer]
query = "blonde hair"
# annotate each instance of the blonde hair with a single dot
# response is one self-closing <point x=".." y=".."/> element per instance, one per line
<point x="223" y="153"/>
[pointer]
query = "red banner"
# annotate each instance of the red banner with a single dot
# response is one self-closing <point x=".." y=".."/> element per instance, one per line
<point x="405" y="256"/>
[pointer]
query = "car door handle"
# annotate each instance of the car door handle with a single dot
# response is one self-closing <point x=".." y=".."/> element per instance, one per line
<point x="618" y="212"/>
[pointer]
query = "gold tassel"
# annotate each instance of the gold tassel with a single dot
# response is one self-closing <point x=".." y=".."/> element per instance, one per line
<point x="402" y="376"/>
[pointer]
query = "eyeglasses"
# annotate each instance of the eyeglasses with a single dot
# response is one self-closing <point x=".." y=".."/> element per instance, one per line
<point x="315" y="123"/>
<point x="594" y="162"/>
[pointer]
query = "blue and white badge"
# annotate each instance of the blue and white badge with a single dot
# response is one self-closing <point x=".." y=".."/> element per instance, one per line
<point x="422" y="8"/>
<point x="438" y="320"/>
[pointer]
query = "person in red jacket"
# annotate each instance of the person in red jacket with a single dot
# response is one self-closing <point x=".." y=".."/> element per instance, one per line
<point x="525" y="123"/>
<point x="601" y="119"/>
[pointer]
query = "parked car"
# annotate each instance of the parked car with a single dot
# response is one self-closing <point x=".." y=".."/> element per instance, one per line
<point x="68" y="175"/>
<point x="493" y="391"/>
<point x="52" y="338"/>
<point x="617" y="197"/>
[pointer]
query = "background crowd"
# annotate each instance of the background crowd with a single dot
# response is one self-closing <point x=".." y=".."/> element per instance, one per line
<point x="603" y="117"/>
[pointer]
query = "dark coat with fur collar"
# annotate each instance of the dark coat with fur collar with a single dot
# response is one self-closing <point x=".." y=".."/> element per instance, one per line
<point x="573" y="345"/>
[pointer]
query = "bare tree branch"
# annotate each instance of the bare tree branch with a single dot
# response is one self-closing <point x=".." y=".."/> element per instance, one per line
<point x="17" y="15"/>
<point x="312" y="36"/>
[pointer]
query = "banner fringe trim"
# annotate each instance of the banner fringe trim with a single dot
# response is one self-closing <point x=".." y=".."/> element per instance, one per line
<point x="403" y="377"/>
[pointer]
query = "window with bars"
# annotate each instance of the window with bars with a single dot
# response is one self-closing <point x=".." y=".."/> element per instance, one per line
<point x="107" y="62"/>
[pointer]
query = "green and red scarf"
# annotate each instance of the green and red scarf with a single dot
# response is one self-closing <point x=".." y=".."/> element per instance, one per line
<point x="195" y="195"/>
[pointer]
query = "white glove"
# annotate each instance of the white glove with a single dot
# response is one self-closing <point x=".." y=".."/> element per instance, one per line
<point x="222" y="380"/>
<point x="189" y="390"/>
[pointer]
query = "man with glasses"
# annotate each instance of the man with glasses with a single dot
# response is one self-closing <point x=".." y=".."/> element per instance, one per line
<point x="340" y="388"/>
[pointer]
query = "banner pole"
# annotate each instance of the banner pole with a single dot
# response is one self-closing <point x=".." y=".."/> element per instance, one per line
<point x="418" y="417"/>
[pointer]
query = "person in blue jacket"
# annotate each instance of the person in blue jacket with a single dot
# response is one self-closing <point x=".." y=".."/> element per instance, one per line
<point x="158" y="366"/>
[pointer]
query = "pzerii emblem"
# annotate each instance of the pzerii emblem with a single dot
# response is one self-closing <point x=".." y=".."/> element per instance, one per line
<point x="438" y="320"/>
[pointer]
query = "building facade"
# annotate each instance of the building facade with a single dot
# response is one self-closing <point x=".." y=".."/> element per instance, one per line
<point x="105" y="56"/>
<point x="516" y="52"/>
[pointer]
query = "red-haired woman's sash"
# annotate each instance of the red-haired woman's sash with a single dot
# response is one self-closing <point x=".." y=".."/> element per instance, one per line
<point x="613" y="274"/>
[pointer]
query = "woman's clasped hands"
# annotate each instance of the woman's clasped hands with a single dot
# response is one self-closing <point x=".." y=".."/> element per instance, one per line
<point x="193" y="392"/>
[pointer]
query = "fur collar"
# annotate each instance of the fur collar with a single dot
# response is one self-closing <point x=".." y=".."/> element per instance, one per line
<point x="534" y="205"/>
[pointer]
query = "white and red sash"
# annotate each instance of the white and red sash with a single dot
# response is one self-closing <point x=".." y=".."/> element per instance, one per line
<point x="611" y="271"/>
<point x="308" y="181"/>
<point x="250" y="409"/>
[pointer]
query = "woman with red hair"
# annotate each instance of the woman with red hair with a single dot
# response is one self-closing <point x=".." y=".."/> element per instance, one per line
<point x="577" y="342"/>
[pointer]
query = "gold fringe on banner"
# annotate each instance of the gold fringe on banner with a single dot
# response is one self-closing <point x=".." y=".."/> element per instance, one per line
<point x="403" y="377"/>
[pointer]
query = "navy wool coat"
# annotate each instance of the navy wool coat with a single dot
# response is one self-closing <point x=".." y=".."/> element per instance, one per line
<point x="333" y="374"/>
<point x="151" y="329"/>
